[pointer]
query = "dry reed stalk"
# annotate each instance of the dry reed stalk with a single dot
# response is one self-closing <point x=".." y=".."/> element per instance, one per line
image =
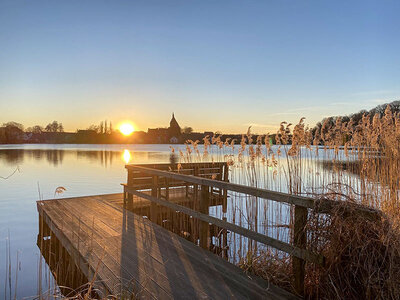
<point x="347" y="161"/>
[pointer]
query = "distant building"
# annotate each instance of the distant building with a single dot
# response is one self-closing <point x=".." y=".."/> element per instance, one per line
<point x="174" y="131"/>
<point x="86" y="132"/>
<point x="172" y="134"/>
<point x="11" y="134"/>
<point x="87" y="136"/>
<point x="174" y="140"/>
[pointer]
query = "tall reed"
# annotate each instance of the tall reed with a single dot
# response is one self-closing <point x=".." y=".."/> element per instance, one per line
<point x="346" y="161"/>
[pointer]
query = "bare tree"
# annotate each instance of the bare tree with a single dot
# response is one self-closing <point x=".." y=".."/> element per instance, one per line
<point x="54" y="127"/>
<point x="35" y="129"/>
<point x="187" y="130"/>
<point x="14" y="124"/>
<point x="95" y="128"/>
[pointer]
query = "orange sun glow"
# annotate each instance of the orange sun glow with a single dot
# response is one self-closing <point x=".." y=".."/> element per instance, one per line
<point x="126" y="129"/>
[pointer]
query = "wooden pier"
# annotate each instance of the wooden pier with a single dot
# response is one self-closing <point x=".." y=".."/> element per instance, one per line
<point x="123" y="251"/>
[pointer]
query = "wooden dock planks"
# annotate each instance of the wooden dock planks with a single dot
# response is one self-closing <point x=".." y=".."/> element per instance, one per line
<point x="128" y="252"/>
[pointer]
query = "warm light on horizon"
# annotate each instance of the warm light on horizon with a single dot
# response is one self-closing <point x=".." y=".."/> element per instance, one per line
<point x="126" y="129"/>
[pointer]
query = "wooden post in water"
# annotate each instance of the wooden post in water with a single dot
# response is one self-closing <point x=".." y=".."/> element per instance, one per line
<point x="300" y="241"/>
<point x="204" y="226"/>
<point x="153" y="206"/>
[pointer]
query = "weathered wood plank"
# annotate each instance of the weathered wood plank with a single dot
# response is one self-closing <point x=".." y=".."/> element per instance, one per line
<point x="88" y="263"/>
<point x="148" y="281"/>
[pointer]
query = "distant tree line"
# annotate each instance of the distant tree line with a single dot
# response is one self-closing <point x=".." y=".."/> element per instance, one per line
<point x="51" y="127"/>
<point x="13" y="132"/>
<point x="329" y="122"/>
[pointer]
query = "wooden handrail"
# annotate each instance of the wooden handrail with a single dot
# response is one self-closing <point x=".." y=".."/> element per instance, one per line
<point x="257" y="192"/>
<point x="319" y="205"/>
<point x="264" y="239"/>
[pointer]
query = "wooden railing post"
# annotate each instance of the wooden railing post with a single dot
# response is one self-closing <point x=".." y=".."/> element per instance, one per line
<point x="153" y="206"/>
<point x="195" y="187"/>
<point x="167" y="189"/>
<point x="300" y="241"/>
<point x="204" y="226"/>
<point x="225" y="191"/>
<point x="225" y="240"/>
<point x="128" y="198"/>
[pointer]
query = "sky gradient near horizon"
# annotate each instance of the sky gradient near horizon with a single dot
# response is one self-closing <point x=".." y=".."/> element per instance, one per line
<point x="219" y="65"/>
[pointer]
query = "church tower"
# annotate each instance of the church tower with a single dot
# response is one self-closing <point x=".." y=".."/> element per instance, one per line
<point x="174" y="129"/>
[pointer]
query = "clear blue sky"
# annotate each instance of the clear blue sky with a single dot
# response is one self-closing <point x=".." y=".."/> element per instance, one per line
<point x="218" y="65"/>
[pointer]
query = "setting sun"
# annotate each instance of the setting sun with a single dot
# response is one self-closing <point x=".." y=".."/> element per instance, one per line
<point x="126" y="128"/>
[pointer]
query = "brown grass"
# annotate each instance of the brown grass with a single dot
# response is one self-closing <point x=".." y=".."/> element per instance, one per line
<point x="362" y="258"/>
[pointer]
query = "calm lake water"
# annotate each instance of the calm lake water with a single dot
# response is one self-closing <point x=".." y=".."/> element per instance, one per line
<point x="81" y="169"/>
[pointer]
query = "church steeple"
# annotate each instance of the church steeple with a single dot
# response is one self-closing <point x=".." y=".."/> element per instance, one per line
<point x="174" y="128"/>
<point x="173" y="123"/>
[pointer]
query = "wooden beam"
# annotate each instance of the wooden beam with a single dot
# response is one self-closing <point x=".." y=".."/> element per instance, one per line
<point x="224" y="191"/>
<point x="185" y="166"/>
<point x="204" y="208"/>
<point x="300" y="241"/>
<point x="153" y="206"/>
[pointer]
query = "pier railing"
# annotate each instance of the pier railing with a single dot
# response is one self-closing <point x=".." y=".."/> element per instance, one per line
<point x="212" y="178"/>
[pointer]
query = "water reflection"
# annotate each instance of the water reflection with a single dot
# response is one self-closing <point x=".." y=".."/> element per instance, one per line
<point x="127" y="156"/>
<point x="68" y="279"/>
<point x="18" y="156"/>
<point x="56" y="157"/>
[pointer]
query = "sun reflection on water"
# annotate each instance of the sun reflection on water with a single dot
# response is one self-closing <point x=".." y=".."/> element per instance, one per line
<point x="127" y="156"/>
